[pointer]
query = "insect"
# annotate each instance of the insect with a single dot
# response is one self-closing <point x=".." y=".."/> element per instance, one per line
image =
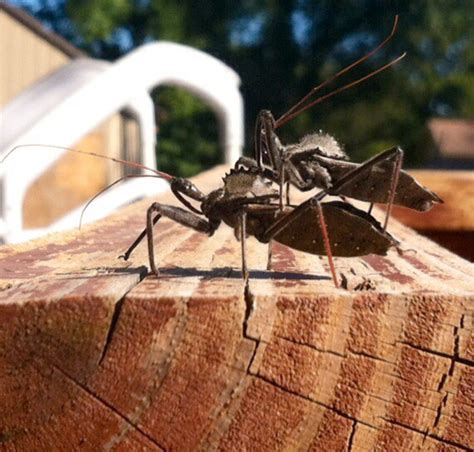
<point x="318" y="161"/>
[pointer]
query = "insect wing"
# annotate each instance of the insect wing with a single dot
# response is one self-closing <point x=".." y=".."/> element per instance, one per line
<point x="351" y="232"/>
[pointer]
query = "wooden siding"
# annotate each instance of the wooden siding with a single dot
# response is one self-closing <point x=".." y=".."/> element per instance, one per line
<point x="24" y="58"/>
<point x="73" y="180"/>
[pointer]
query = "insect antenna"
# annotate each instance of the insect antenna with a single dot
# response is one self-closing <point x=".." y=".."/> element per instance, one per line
<point x="160" y="174"/>
<point x="128" y="176"/>
<point x="281" y="120"/>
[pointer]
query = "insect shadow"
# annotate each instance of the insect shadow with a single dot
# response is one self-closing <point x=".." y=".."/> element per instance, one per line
<point x="231" y="273"/>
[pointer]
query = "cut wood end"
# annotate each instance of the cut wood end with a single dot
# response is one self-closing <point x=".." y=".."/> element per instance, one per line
<point x="195" y="359"/>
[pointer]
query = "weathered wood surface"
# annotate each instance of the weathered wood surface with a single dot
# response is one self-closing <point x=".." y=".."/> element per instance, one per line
<point x="94" y="355"/>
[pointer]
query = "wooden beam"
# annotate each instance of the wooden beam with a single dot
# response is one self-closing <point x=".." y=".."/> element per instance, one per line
<point x="450" y="224"/>
<point x="96" y="354"/>
<point x="456" y="188"/>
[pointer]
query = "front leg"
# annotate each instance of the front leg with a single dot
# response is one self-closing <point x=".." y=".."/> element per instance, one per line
<point x="177" y="214"/>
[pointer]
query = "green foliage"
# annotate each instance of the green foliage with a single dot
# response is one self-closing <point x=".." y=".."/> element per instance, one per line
<point x="282" y="48"/>
<point x="188" y="139"/>
<point x="98" y="19"/>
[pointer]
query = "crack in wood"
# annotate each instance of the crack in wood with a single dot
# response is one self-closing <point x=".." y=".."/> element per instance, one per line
<point x="161" y="372"/>
<point x="447" y="376"/>
<point x="116" y="314"/>
<point x="235" y="393"/>
<point x="452" y="358"/>
<point x="440" y="410"/>
<point x="123" y="417"/>
<point x="310" y="346"/>
<point x="442" y="382"/>
<point x="249" y="300"/>
<point x="311" y="400"/>
<point x="455" y="348"/>
<point x="426" y="434"/>
<point x="112" y="326"/>
<point x="350" y="443"/>
<point x="367" y="355"/>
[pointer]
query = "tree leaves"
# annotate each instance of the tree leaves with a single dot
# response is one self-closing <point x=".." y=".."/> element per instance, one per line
<point x="281" y="48"/>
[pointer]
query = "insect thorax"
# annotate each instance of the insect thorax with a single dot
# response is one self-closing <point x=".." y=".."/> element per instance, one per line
<point x="247" y="183"/>
<point x="319" y="143"/>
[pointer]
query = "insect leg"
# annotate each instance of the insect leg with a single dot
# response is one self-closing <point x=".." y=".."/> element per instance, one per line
<point x="149" y="234"/>
<point x="137" y="241"/>
<point x="393" y="185"/>
<point x="395" y="153"/>
<point x="265" y="136"/>
<point x="269" y="256"/>
<point x="295" y="176"/>
<point x="327" y="244"/>
<point x="243" y="233"/>
<point x="286" y="220"/>
<point x="362" y="169"/>
<point x="258" y="142"/>
<point x="179" y="215"/>
<point x="179" y="186"/>
<point x="281" y="184"/>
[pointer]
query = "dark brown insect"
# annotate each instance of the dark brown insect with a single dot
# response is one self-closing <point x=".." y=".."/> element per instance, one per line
<point x="318" y="160"/>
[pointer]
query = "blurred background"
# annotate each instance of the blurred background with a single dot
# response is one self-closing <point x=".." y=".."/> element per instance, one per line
<point x="280" y="50"/>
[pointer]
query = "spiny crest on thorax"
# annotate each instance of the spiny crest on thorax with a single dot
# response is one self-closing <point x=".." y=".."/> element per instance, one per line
<point x="247" y="182"/>
<point x="323" y="144"/>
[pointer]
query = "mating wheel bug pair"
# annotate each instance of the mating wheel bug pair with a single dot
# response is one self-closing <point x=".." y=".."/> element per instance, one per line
<point x="249" y="203"/>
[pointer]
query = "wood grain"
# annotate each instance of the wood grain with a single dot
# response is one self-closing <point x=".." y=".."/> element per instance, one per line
<point x="96" y="355"/>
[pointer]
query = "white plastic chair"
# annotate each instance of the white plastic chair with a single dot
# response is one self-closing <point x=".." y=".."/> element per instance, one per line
<point x="67" y="105"/>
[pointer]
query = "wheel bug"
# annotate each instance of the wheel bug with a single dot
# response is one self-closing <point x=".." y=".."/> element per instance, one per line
<point x="318" y="161"/>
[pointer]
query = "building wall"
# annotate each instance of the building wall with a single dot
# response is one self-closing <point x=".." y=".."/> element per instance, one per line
<point x="24" y="58"/>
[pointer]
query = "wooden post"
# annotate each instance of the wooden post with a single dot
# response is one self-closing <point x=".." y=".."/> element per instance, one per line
<point x="95" y="354"/>
<point x="451" y="224"/>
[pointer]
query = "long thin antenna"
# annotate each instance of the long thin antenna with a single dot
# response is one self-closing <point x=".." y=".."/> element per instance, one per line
<point x="284" y="120"/>
<point x="110" y="186"/>
<point x="161" y="174"/>
<point x="281" y="119"/>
